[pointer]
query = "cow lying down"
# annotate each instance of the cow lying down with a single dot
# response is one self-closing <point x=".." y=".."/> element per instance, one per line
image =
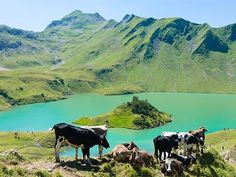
<point x="175" y="164"/>
<point x="77" y="137"/>
<point x="129" y="152"/>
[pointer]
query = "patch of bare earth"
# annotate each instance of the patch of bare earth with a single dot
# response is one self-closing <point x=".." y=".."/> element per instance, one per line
<point x="50" y="167"/>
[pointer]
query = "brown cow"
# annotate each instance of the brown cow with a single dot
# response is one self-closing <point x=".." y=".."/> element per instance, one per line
<point x="121" y="153"/>
<point x="199" y="133"/>
<point x="130" y="145"/>
<point x="144" y="159"/>
<point x="127" y="152"/>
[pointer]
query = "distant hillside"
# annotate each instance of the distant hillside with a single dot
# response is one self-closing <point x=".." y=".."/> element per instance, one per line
<point x="137" y="114"/>
<point x="92" y="54"/>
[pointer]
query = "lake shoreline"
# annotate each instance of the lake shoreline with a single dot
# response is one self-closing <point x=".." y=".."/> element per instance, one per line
<point x="106" y="94"/>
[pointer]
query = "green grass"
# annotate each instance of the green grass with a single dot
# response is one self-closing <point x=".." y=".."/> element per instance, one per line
<point x="225" y="143"/>
<point x="5" y="171"/>
<point x="226" y="138"/>
<point x="34" y="146"/>
<point x="121" y="117"/>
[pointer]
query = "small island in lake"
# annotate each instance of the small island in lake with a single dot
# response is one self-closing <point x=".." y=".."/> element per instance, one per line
<point x="137" y="114"/>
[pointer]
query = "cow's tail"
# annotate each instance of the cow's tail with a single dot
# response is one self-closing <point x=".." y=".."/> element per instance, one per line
<point x="53" y="128"/>
<point x="155" y="147"/>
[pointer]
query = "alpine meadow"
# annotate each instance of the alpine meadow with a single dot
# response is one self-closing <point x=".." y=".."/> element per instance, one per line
<point x="84" y="52"/>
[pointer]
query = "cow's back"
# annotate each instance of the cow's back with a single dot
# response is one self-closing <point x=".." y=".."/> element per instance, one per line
<point x="100" y="130"/>
<point x="76" y="135"/>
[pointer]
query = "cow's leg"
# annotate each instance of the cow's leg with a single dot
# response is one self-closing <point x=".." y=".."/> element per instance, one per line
<point x="56" y="141"/>
<point x="160" y="155"/>
<point x="88" y="154"/>
<point x="100" y="148"/>
<point x="202" y="149"/>
<point x="156" y="153"/>
<point x="190" y="150"/>
<point x="58" y="144"/>
<point x="84" y="153"/>
<point x="169" y="153"/>
<point x="76" y="153"/>
<point x="185" y="150"/>
<point x="56" y="153"/>
<point x="198" y="147"/>
<point x="164" y="155"/>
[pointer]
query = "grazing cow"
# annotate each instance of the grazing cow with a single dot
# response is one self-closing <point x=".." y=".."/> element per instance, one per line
<point x="77" y="137"/>
<point x="172" y="167"/>
<point x="199" y="133"/>
<point x="164" y="145"/>
<point x="100" y="130"/>
<point x="186" y="161"/>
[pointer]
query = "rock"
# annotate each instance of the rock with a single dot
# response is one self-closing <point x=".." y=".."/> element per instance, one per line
<point x="50" y="170"/>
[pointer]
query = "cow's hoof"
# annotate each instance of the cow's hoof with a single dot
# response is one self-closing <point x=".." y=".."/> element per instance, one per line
<point x="88" y="163"/>
<point x="83" y="164"/>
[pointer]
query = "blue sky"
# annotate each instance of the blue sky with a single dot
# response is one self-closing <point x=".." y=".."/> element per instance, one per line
<point x="36" y="15"/>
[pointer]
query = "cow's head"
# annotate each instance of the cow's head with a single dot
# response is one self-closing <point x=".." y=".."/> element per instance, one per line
<point x="203" y="129"/>
<point x="134" y="155"/>
<point x="104" y="142"/>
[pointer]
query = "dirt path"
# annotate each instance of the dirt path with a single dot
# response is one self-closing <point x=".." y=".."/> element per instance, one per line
<point x="50" y="167"/>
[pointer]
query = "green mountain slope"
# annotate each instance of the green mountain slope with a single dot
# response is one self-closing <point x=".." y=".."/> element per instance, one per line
<point x="91" y="54"/>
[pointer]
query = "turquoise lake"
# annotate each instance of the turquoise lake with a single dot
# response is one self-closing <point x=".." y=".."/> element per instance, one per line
<point x="189" y="111"/>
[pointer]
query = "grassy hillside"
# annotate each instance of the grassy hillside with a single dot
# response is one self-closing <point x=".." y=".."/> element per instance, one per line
<point x="137" y="114"/>
<point x="91" y="54"/>
<point x="35" y="156"/>
<point x="225" y="143"/>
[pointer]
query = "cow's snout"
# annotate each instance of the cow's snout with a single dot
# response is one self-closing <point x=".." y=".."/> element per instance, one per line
<point x="104" y="142"/>
<point x="169" y="170"/>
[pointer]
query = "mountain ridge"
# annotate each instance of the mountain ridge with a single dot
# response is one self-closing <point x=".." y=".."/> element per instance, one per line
<point x="91" y="54"/>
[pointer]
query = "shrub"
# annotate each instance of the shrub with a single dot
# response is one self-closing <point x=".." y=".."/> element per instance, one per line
<point x="42" y="173"/>
<point x="146" y="172"/>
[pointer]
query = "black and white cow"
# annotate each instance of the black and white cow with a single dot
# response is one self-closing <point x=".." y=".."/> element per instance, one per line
<point x="164" y="145"/>
<point x="77" y="137"/>
<point x="172" y="167"/>
<point x="185" y="140"/>
<point x="186" y="161"/>
<point x="100" y="130"/>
